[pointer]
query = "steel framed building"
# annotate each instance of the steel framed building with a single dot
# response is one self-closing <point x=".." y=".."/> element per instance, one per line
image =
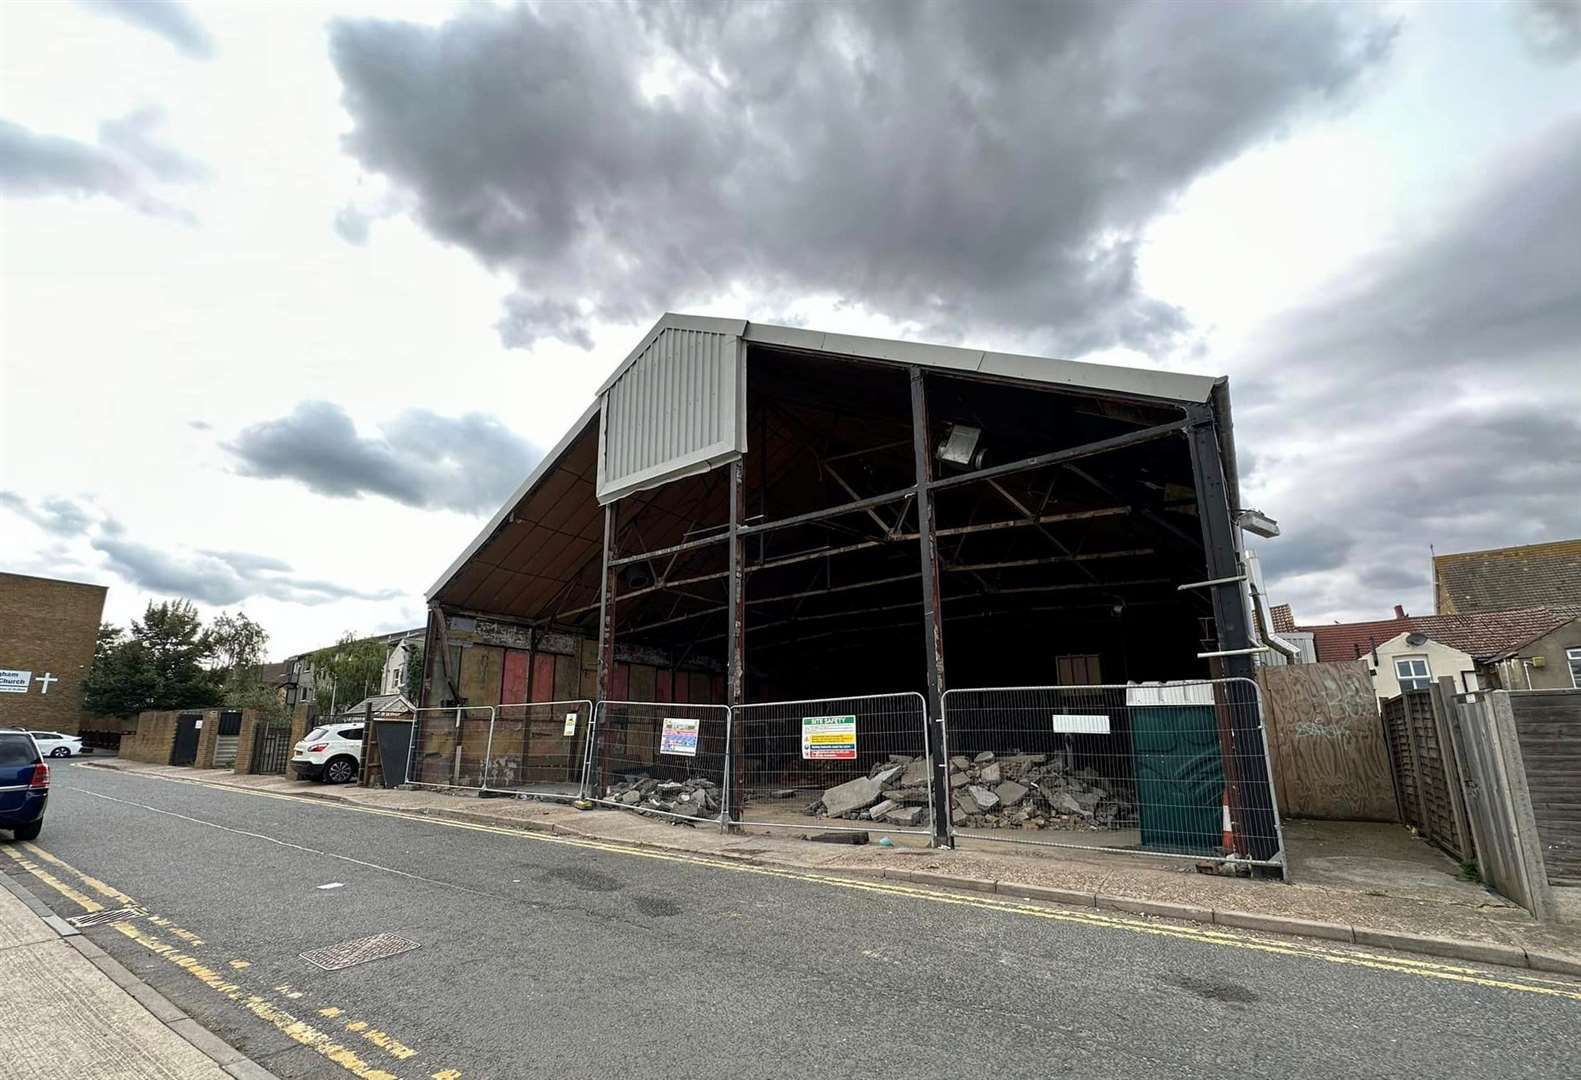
<point x="759" y="512"/>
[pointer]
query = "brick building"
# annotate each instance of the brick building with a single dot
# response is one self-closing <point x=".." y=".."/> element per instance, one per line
<point x="47" y="632"/>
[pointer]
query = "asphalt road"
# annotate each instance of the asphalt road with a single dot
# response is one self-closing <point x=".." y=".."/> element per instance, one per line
<point x="541" y="958"/>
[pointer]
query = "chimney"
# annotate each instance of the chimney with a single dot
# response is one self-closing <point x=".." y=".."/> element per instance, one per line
<point x="1399" y="612"/>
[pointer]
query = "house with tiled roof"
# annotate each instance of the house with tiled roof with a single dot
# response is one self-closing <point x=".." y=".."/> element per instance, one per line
<point x="1503" y="579"/>
<point x="1525" y="648"/>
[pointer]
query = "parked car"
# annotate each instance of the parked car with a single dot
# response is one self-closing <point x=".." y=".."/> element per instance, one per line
<point x="24" y="785"/>
<point x="332" y="753"/>
<point x="56" y="744"/>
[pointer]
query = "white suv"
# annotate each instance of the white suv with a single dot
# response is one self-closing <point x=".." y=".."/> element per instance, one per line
<point x="332" y="753"/>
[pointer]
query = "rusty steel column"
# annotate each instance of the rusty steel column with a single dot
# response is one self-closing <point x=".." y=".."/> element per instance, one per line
<point x="736" y="642"/>
<point x="606" y="607"/>
<point x="932" y="609"/>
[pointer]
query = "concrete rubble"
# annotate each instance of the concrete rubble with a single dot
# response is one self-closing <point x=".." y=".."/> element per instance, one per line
<point x="988" y="791"/>
<point x="693" y="797"/>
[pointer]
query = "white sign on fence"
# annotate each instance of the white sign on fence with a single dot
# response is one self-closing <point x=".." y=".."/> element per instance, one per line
<point x="828" y="738"/>
<point x="1081" y="724"/>
<point x="15" y="682"/>
<point x="679" y="736"/>
<point x="570" y="724"/>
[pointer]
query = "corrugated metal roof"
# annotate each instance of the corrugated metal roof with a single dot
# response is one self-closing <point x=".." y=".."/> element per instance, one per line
<point x="676" y="406"/>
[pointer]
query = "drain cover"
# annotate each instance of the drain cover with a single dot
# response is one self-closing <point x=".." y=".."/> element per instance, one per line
<point x="358" y="951"/>
<point x="104" y="918"/>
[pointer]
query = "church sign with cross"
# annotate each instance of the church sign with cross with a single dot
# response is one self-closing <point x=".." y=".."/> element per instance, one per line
<point x="19" y="682"/>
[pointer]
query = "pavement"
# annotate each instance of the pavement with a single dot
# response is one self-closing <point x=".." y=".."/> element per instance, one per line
<point x="549" y="955"/>
<point x="1354" y="881"/>
<point x="72" y="1012"/>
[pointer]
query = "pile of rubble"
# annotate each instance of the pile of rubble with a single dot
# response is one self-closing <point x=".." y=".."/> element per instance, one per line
<point x="693" y="797"/>
<point x="1014" y="791"/>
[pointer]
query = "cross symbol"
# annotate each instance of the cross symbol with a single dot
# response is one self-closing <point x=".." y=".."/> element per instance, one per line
<point x="46" y="679"/>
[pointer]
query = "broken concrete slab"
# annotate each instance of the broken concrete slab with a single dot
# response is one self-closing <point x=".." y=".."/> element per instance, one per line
<point x="1010" y="793"/>
<point x="990" y="774"/>
<point x="982" y="797"/>
<point x="851" y="796"/>
<point x="906" y="815"/>
<point x="883" y="807"/>
<point x="916" y="773"/>
<point x="984" y="758"/>
<point x="886" y="774"/>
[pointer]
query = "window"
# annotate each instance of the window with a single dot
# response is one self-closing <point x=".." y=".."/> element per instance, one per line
<point x="1078" y="670"/>
<point x="316" y="733"/>
<point x="16" y="749"/>
<point x="1574" y="656"/>
<point x="352" y="733"/>
<point x="1412" y="673"/>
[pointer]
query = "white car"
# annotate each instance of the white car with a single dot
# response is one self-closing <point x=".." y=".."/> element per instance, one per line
<point x="56" y="744"/>
<point x="332" y="753"/>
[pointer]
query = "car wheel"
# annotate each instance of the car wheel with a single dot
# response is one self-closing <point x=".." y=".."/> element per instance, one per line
<point x="60" y="751"/>
<point x="339" y="770"/>
<point x="29" y="831"/>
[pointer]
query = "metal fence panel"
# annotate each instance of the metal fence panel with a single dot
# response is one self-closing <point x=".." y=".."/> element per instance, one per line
<point x="1151" y="769"/>
<point x="661" y="758"/>
<point x="450" y="746"/>
<point x="539" y="748"/>
<point x="841" y="763"/>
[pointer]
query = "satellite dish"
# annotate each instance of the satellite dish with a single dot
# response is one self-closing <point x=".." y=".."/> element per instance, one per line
<point x="1416" y="640"/>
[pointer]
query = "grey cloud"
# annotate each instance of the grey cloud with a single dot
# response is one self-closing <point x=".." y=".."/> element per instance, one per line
<point x="200" y="425"/>
<point x="167" y="18"/>
<point x="944" y="164"/>
<point x="1313" y="549"/>
<point x="1551" y="29"/>
<point x="220" y="578"/>
<point x="127" y="165"/>
<point x="57" y="516"/>
<point x="467" y="463"/>
<point x="1434" y="395"/>
<point x="352" y="225"/>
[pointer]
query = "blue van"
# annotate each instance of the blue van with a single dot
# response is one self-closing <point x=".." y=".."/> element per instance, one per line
<point x="24" y="785"/>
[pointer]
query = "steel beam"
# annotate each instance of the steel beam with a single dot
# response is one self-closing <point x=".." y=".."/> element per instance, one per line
<point x="932" y="609"/>
<point x="606" y="605"/>
<point x="1062" y="457"/>
<point x="1255" y="824"/>
<point x="825" y="514"/>
<point x="736" y="643"/>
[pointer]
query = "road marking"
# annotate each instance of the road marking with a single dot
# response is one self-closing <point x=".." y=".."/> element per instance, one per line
<point x="87" y="903"/>
<point x="298" y="1030"/>
<point x="92" y="882"/>
<point x="1373" y="961"/>
<point x="257" y="1004"/>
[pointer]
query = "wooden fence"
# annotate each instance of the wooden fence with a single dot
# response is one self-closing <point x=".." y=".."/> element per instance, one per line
<point x="1326" y="743"/>
<point x="1426" y="771"/>
<point x="1548" y="726"/>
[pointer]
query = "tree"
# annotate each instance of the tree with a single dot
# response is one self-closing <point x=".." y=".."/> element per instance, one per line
<point x="415" y="658"/>
<point x="347" y="671"/>
<point x="163" y="663"/>
<point x="239" y="645"/>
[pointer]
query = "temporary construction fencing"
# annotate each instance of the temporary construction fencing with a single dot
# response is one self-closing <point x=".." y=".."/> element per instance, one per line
<point x="838" y="763"/>
<point x="539" y="748"/>
<point x="1153" y="768"/>
<point x="450" y="746"/>
<point x="663" y="758"/>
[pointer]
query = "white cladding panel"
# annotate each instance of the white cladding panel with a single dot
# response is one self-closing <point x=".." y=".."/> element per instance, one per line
<point x="677" y="407"/>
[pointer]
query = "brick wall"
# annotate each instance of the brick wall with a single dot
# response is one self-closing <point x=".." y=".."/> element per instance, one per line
<point x="47" y="628"/>
<point x="153" y="738"/>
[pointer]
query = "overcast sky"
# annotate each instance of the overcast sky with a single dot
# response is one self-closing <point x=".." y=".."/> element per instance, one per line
<point x="294" y="295"/>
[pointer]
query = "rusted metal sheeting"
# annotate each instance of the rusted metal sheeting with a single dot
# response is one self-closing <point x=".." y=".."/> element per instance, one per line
<point x="677" y="406"/>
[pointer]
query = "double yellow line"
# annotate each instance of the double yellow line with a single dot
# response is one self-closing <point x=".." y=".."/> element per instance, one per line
<point x="1352" y="957"/>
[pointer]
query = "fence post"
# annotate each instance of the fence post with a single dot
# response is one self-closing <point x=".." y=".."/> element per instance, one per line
<point x="1512" y="764"/>
<point x="1442" y="692"/>
<point x="367" y="746"/>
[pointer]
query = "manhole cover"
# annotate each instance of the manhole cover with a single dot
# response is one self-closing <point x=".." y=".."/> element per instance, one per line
<point x="358" y="951"/>
<point x="103" y="918"/>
